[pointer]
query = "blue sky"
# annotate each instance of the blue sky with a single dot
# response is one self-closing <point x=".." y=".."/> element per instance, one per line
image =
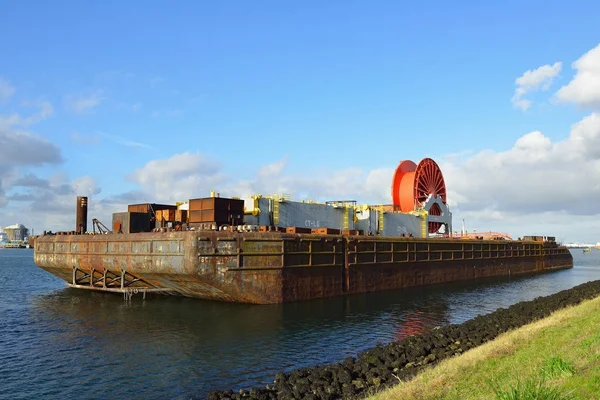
<point x="144" y="101"/>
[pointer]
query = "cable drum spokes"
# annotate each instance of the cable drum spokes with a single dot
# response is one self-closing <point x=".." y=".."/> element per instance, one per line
<point x="413" y="184"/>
<point x="433" y="227"/>
<point x="429" y="181"/>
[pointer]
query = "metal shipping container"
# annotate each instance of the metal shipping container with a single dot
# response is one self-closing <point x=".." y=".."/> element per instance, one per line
<point x="398" y="224"/>
<point x="302" y="215"/>
<point x="131" y="222"/>
<point x="217" y="203"/>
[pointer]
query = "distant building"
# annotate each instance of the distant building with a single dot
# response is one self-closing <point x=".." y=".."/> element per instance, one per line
<point x="16" y="232"/>
<point x="3" y="237"/>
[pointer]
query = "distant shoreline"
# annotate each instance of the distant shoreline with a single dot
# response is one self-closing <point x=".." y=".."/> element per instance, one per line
<point x="14" y="245"/>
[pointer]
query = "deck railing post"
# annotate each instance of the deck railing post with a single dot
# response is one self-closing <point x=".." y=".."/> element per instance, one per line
<point x="374" y="252"/>
<point x="346" y="249"/>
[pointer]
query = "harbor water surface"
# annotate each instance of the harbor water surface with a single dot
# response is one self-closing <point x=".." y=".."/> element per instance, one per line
<point x="57" y="342"/>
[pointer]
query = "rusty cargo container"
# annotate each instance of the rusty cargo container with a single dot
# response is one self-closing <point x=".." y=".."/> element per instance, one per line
<point x="131" y="222"/>
<point x="275" y="267"/>
<point x="217" y="203"/>
<point x="217" y="210"/>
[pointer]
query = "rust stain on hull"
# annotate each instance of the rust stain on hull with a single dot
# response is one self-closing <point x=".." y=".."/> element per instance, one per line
<point x="275" y="267"/>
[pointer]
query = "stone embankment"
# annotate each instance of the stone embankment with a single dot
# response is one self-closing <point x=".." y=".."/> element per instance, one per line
<point x="385" y="365"/>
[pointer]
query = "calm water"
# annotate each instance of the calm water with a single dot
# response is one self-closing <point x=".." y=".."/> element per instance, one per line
<point x="60" y="343"/>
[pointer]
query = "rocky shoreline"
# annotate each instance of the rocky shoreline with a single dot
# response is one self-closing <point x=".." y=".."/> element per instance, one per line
<point x="385" y="365"/>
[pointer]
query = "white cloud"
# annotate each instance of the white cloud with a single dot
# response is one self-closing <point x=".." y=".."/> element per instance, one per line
<point x="585" y="138"/>
<point x="29" y="180"/>
<point x="539" y="78"/>
<point x="124" y="141"/>
<point x="80" y="104"/>
<point x="523" y="104"/>
<point x="100" y="136"/>
<point x="274" y="169"/>
<point x="21" y="149"/>
<point x="528" y="183"/>
<point x="85" y="186"/>
<point x="319" y="185"/>
<point x="534" y="80"/>
<point x="6" y="90"/>
<point x="584" y="88"/>
<point x="49" y="203"/>
<point x="190" y="175"/>
<point x="7" y="121"/>
<point x="46" y="110"/>
<point x="15" y="119"/>
<point x="180" y="177"/>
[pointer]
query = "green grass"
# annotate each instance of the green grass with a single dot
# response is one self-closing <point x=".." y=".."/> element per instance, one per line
<point x="530" y="390"/>
<point x="555" y="367"/>
<point x="538" y="388"/>
<point x="555" y="358"/>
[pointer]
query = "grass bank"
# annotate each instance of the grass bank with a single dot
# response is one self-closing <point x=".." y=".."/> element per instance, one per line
<point x="557" y="357"/>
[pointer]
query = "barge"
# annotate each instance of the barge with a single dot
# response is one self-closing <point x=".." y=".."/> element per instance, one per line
<point x="266" y="250"/>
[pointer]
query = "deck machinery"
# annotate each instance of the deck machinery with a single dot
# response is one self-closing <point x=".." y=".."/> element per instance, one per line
<point x="419" y="208"/>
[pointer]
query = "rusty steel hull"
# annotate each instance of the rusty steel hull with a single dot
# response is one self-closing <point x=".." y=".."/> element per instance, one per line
<point x="273" y="267"/>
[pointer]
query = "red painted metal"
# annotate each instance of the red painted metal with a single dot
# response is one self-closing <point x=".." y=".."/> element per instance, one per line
<point x="402" y="186"/>
<point x="429" y="180"/>
<point x="412" y="184"/>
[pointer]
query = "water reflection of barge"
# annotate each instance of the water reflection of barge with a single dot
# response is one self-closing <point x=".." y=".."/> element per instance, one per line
<point x="272" y="250"/>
